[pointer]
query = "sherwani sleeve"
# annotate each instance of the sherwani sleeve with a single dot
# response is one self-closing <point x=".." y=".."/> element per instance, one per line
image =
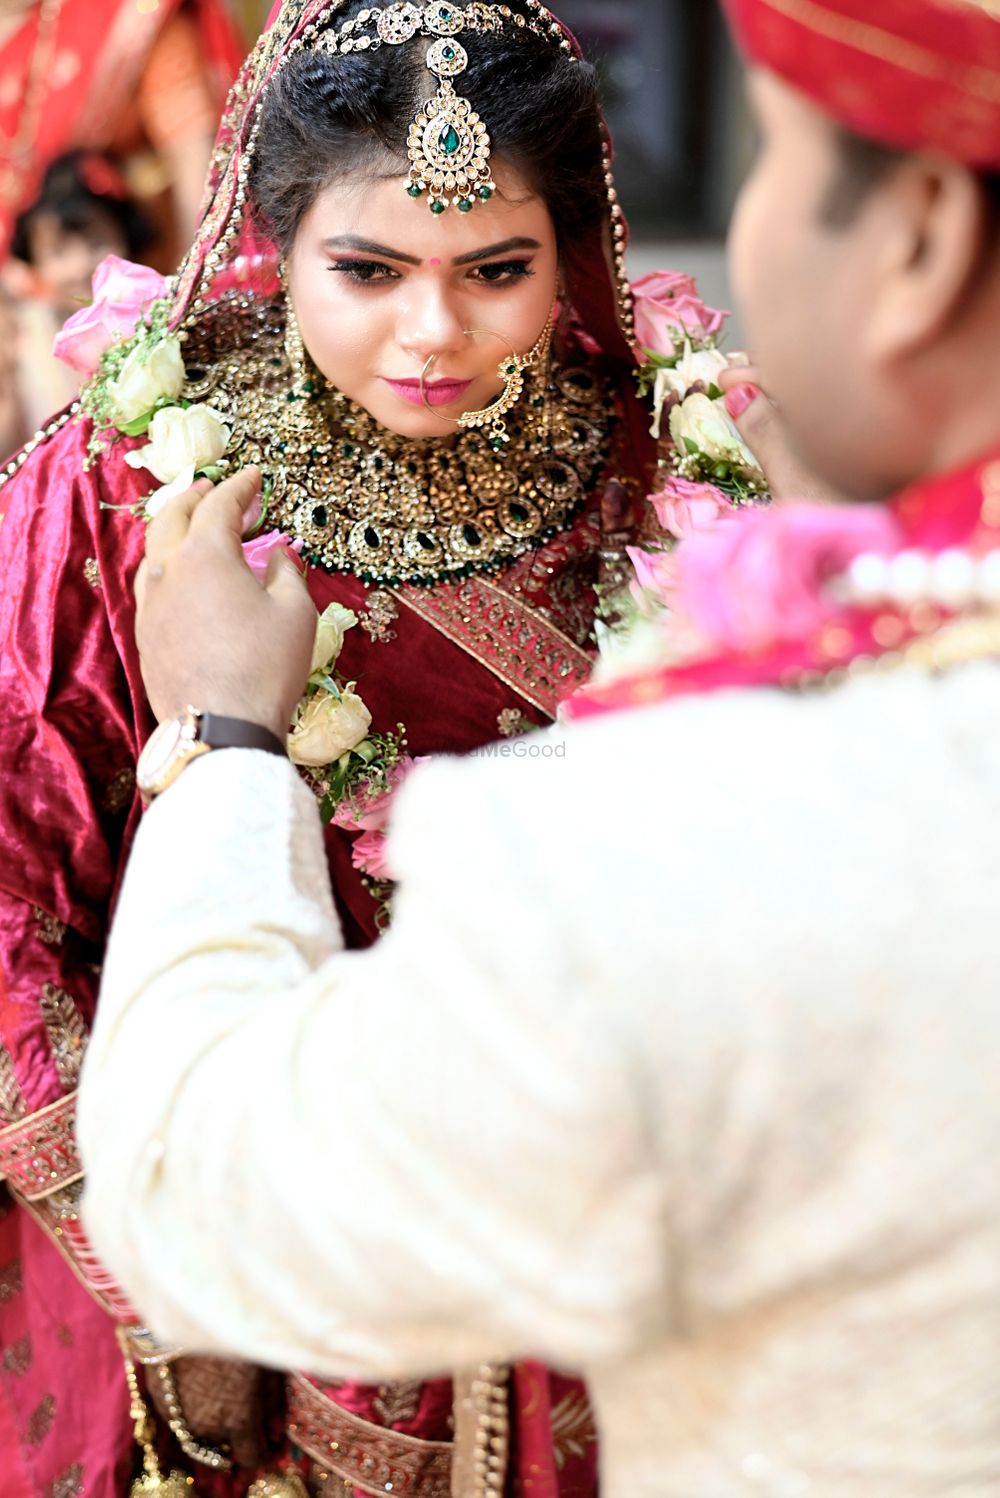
<point x="369" y="1164"/>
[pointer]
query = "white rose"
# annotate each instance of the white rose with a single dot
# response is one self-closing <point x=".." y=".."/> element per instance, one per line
<point x="708" y="425"/>
<point x="702" y="367"/>
<point x="147" y="376"/>
<point x="331" y="627"/>
<point x="329" y="727"/>
<point x="180" y="485"/>
<point x="180" y="440"/>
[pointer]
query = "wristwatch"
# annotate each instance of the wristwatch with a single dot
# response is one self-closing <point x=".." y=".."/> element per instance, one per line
<point x="179" y="741"/>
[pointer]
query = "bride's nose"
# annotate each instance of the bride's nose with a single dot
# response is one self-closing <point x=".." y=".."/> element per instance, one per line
<point x="431" y="324"/>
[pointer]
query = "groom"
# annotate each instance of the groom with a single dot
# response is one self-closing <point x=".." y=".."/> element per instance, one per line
<point x="678" y="1065"/>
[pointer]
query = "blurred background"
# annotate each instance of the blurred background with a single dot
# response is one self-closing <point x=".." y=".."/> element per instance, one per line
<point x="108" y="110"/>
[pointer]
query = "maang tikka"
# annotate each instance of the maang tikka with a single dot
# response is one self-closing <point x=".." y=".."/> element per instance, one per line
<point x="448" y="144"/>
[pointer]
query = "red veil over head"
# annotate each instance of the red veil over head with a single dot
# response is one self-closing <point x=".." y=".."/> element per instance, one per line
<point x="227" y="249"/>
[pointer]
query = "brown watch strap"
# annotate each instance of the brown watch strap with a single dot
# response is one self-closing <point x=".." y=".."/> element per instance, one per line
<point x="235" y="733"/>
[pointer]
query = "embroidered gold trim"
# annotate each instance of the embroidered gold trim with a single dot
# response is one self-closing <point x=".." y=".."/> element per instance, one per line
<point x="12" y="1104"/>
<point x="883" y="45"/>
<point x="66" y="1031"/>
<point x="520" y="647"/>
<point x="38" y="1154"/>
<point x="374" y="1460"/>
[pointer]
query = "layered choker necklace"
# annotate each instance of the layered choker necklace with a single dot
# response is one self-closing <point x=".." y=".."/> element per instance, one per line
<point x="394" y="510"/>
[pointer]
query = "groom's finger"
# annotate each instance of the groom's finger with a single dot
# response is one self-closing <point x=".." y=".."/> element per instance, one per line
<point x="167" y="529"/>
<point x="220" y="515"/>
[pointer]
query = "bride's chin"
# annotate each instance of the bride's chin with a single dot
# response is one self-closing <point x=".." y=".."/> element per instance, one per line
<point x="413" y="421"/>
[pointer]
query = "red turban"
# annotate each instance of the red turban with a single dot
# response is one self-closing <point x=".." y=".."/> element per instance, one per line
<point x="906" y="73"/>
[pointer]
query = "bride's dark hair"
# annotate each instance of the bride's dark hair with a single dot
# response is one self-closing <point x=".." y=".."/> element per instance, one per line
<point x="325" y="117"/>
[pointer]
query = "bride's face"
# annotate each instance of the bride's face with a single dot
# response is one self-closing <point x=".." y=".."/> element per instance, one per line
<point x="381" y="286"/>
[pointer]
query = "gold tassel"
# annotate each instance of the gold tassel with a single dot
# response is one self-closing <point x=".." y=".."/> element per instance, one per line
<point x="280" y="1485"/>
<point x="152" y="1480"/>
<point x="174" y="1486"/>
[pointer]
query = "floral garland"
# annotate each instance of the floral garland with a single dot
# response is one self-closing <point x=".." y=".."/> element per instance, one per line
<point x="707" y="474"/>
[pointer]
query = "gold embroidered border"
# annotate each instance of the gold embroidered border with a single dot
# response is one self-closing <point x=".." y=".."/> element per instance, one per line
<point x="373" y="1459"/>
<point x="520" y="647"/>
<point x="38" y="1154"/>
<point x="883" y="45"/>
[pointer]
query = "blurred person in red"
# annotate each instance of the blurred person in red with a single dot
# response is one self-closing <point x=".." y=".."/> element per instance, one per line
<point x="728" y="1139"/>
<point x="83" y="213"/>
<point x="145" y="79"/>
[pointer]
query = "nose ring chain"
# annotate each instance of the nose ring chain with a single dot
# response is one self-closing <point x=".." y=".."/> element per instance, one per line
<point x="511" y="370"/>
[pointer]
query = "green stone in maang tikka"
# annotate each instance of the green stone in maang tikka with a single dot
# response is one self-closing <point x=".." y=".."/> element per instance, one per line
<point x="450" y="140"/>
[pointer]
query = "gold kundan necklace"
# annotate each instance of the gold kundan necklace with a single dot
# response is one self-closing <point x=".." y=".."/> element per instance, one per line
<point x="389" y="509"/>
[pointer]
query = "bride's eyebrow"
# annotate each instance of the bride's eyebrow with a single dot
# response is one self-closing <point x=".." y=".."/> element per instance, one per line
<point x="369" y="247"/>
<point x="503" y="248"/>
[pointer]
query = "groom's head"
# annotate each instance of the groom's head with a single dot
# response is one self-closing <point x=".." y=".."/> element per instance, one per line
<point x="866" y="245"/>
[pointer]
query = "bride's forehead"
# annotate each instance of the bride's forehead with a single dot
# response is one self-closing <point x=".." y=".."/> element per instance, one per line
<point x="380" y="209"/>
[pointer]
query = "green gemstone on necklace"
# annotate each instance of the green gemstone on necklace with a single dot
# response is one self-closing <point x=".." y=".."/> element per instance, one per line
<point x="450" y="140"/>
<point x="485" y="193"/>
<point x="465" y="205"/>
<point x="415" y="190"/>
<point x="448" y="54"/>
<point x="438" y="206"/>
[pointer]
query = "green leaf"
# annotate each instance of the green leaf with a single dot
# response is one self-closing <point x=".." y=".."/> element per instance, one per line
<point x="692" y="447"/>
<point x="139" y="427"/>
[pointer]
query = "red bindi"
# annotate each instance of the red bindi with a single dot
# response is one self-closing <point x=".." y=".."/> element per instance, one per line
<point x="435" y="261"/>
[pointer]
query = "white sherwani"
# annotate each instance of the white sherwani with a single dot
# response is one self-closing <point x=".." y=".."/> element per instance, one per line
<point x="679" y="1067"/>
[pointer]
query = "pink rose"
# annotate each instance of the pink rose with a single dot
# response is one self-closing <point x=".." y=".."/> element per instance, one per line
<point x="668" y="309"/>
<point x="258" y="552"/>
<point x="122" y="292"/>
<point x="762" y="579"/>
<point x="654" y="573"/>
<point x="369" y="855"/>
<point x="370" y="812"/>
<point x="683" y="508"/>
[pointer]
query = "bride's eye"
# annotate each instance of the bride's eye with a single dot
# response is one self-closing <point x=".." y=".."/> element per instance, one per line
<point x="365" y="272"/>
<point x="503" y="272"/>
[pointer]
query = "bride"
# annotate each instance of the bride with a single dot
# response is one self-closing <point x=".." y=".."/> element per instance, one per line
<point x="406" y="303"/>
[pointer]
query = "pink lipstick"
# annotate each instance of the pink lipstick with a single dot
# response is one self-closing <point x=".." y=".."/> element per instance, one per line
<point x="439" y="392"/>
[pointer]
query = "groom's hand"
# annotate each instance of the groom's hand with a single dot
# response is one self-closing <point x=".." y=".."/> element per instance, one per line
<point x="210" y="636"/>
<point x="763" y="429"/>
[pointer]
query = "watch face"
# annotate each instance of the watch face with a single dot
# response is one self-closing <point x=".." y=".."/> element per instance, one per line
<point x="159" y="751"/>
